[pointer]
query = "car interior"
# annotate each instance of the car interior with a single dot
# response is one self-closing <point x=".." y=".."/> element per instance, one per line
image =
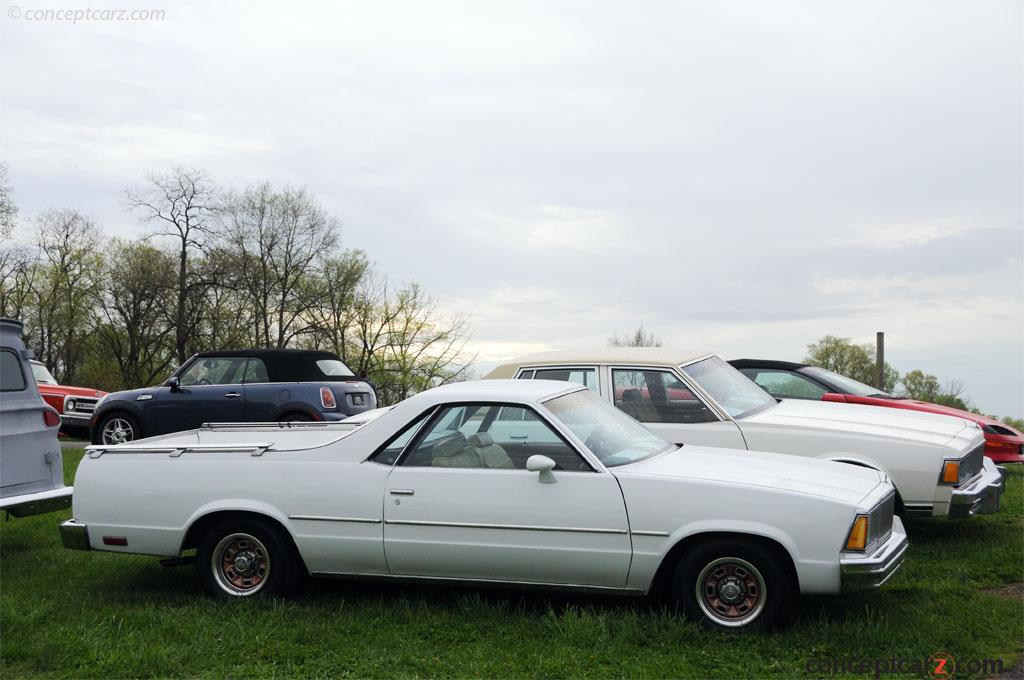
<point x="651" y="396"/>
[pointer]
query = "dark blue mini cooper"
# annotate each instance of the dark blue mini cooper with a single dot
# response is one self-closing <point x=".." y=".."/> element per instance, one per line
<point x="268" y="385"/>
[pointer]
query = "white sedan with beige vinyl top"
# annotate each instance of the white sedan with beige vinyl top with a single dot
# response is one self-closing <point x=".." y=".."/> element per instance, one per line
<point x="935" y="461"/>
<point x="531" y="483"/>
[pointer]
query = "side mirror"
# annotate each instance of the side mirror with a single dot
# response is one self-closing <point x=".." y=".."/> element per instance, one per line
<point x="544" y="466"/>
<point x="173" y="383"/>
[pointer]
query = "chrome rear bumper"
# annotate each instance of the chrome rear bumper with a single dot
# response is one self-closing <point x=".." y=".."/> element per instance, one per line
<point x="74" y="535"/>
<point x="981" y="495"/>
<point x="864" y="572"/>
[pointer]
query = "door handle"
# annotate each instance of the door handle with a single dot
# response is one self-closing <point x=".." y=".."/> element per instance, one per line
<point x="232" y="395"/>
<point x="401" y="492"/>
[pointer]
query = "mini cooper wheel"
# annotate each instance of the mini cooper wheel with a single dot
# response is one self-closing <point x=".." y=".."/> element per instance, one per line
<point x="118" y="428"/>
<point x="733" y="585"/>
<point x="245" y="558"/>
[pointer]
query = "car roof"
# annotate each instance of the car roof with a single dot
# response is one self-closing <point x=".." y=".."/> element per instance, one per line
<point x="767" y="363"/>
<point x="269" y="353"/>
<point x="500" y="390"/>
<point x="599" y="355"/>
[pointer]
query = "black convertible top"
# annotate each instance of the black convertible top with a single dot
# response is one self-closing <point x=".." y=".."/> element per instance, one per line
<point x="287" y="365"/>
<point x="767" y="363"/>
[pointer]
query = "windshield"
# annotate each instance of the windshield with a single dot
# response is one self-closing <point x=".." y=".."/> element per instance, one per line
<point x="737" y="394"/>
<point x="333" y="367"/>
<point x="42" y="374"/>
<point x="615" y="438"/>
<point x="845" y="385"/>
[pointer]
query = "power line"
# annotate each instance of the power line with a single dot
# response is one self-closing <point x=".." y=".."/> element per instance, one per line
<point x="954" y="361"/>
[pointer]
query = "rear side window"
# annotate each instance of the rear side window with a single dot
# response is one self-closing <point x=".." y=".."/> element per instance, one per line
<point x="12" y="379"/>
<point x="334" y="368"/>
<point x="581" y="376"/>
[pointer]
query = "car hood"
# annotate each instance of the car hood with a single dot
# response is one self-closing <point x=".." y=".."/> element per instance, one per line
<point x="865" y="420"/>
<point x="842" y="482"/>
<point x="928" y="407"/>
<point x="67" y="390"/>
<point x="133" y="395"/>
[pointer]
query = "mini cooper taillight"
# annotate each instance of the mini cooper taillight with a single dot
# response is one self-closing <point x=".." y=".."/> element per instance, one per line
<point x="51" y="418"/>
<point x="327" y="398"/>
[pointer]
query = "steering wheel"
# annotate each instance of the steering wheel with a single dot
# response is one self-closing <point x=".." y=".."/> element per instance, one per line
<point x="203" y="381"/>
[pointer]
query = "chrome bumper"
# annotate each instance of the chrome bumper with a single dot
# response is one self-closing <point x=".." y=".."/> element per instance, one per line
<point x="74" y="535"/>
<point x="981" y="495"/>
<point x="864" y="572"/>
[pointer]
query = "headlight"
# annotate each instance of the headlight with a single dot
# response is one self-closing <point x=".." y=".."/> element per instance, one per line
<point x="857" y="539"/>
<point x="69" y="405"/>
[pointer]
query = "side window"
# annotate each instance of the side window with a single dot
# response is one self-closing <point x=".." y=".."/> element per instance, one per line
<point x="12" y="378"/>
<point x="490" y="436"/>
<point x="255" y="371"/>
<point x="389" y="453"/>
<point x="787" y="384"/>
<point x="526" y="375"/>
<point x="213" y="371"/>
<point x="581" y="376"/>
<point x="654" y="396"/>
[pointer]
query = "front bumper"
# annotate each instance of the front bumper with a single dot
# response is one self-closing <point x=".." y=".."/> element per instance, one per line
<point x="74" y="535"/>
<point x="865" y="572"/>
<point x="38" y="503"/>
<point x="981" y="495"/>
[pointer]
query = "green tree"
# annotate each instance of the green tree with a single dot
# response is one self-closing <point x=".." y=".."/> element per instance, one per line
<point x="843" y="356"/>
<point x="926" y="387"/>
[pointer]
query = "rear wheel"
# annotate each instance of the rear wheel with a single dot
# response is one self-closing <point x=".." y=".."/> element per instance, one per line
<point x="732" y="584"/>
<point x="245" y="558"/>
<point x="118" y="428"/>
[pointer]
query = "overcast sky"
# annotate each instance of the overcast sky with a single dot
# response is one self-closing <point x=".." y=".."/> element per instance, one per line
<point x="742" y="177"/>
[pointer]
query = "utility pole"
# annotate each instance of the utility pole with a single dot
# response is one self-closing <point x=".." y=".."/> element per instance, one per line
<point x="880" y="360"/>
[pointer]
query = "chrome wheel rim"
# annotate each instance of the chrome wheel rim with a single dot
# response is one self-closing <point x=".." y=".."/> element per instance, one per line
<point x="731" y="591"/>
<point x="118" y="431"/>
<point x="241" y="564"/>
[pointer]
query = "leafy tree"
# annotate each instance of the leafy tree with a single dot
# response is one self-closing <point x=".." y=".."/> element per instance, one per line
<point x="925" y="387"/>
<point x="843" y="356"/>
<point x="638" y="338"/>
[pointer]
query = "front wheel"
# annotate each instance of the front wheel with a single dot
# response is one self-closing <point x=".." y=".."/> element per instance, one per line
<point x="118" y="428"/>
<point x="246" y="557"/>
<point x="733" y="585"/>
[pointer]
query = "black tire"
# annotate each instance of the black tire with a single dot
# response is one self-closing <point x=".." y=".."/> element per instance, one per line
<point x="295" y="417"/>
<point x="733" y="585"/>
<point x="117" y="421"/>
<point x="247" y="557"/>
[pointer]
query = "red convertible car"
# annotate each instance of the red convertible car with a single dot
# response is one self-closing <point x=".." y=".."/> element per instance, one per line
<point x="74" y="404"/>
<point x="788" y="380"/>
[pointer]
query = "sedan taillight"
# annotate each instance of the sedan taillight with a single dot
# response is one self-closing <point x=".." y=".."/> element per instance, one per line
<point x="327" y="398"/>
<point x="51" y="418"/>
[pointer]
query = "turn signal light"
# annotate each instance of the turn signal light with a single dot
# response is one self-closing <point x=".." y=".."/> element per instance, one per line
<point x="858" y="538"/>
<point x="327" y="398"/>
<point x="51" y="418"/>
<point x="951" y="472"/>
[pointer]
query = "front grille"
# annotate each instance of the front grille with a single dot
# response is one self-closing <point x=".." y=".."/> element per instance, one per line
<point x="971" y="464"/>
<point x="83" y="405"/>
<point x="880" y="521"/>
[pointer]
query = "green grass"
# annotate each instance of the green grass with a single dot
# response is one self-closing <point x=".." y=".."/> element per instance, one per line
<point x="85" y="614"/>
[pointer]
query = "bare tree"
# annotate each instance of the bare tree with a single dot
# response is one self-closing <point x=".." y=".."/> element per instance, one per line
<point x="275" y="239"/>
<point x="8" y="210"/>
<point x="639" y="338"/>
<point x="179" y="204"/>
<point x="332" y="297"/>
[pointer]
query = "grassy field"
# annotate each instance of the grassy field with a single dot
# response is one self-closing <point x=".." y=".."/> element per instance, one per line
<point x="77" y="614"/>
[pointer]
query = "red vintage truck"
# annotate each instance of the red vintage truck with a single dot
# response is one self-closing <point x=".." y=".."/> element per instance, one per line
<point x="74" y="404"/>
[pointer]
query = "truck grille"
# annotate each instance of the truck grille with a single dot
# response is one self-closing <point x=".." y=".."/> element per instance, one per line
<point x="971" y="464"/>
<point x="82" y="405"/>
<point x="880" y="521"/>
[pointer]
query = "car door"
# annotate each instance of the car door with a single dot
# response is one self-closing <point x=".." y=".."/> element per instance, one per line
<point x="261" y="396"/>
<point x="661" y="400"/>
<point x="209" y="392"/>
<point x="458" y="505"/>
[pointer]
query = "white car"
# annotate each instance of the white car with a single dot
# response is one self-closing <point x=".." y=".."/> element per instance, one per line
<point x="535" y="483"/>
<point x="936" y="462"/>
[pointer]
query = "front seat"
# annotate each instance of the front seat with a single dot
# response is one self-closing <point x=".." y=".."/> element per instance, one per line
<point x="454" y="452"/>
<point x="489" y="454"/>
<point x="634" y="404"/>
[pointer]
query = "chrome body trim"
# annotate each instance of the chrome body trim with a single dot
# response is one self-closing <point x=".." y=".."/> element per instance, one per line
<point x="256" y="449"/>
<point x="401" y="492"/>
<point x="638" y="532"/>
<point x="513" y="527"/>
<point x="326" y="518"/>
<point x="981" y="495"/>
<point x="74" y="536"/>
<point x="401" y="578"/>
<point x="865" y="572"/>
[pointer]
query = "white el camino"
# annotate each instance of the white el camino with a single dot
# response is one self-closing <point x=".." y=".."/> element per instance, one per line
<point x="535" y="483"/>
<point x="936" y="462"/>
